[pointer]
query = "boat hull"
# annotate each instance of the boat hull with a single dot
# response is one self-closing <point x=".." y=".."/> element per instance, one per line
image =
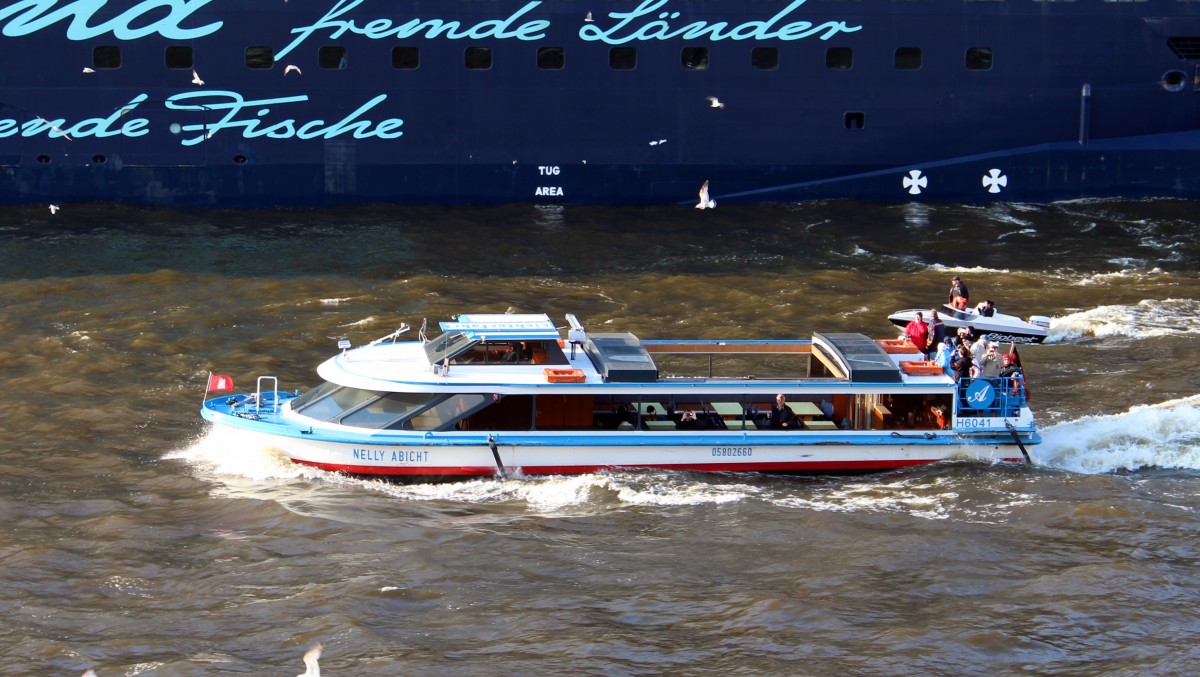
<point x="463" y="455"/>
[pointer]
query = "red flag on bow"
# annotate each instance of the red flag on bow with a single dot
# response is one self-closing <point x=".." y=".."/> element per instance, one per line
<point x="217" y="382"/>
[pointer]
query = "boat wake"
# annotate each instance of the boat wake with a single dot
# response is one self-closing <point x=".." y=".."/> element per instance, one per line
<point x="1158" y="436"/>
<point x="1145" y="319"/>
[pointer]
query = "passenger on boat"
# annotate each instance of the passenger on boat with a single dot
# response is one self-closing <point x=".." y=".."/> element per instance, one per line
<point x="986" y="309"/>
<point x="937" y="334"/>
<point x="989" y="364"/>
<point x="782" y="416"/>
<point x="826" y="408"/>
<point x="958" y="293"/>
<point x="945" y="352"/>
<point x="962" y="363"/>
<point x="917" y="332"/>
<point x="980" y="347"/>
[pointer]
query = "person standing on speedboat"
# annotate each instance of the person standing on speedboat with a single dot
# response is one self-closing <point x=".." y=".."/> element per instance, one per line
<point x="959" y="298"/>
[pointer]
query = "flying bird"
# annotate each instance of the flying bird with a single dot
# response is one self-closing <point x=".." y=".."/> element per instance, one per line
<point x="713" y="102"/>
<point x="55" y="128"/>
<point x="196" y="78"/>
<point x="292" y="67"/>
<point x="54" y="209"/>
<point x="88" y="70"/>
<point x="311" y="669"/>
<point x="658" y="143"/>
<point x="705" y="202"/>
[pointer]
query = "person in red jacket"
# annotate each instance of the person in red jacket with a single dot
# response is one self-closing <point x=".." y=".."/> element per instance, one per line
<point x="917" y="332"/>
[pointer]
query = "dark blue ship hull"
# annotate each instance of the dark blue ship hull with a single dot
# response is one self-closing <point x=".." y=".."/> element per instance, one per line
<point x="191" y="102"/>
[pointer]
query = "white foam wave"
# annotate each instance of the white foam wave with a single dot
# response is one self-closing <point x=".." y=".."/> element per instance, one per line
<point x="225" y="455"/>
<point x="1121" y="277"/>
<point x="1165" y="435"/>
<point x="1145" y="319"/>
<point x="972" y="270"/>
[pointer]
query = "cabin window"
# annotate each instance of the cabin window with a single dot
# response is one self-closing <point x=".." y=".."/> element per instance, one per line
<point x="445" y="413"/>
<point x="908" y="58"/>
<point x="551" y="58"/>
<point x="1174" y="81"/>
<point x="478" y="58"/>
<point x="379" y="413"/>
<point x="406" y="58"/>
<point x="855" y="120"/>
<point x="979" y="59"/>
<point x="764" y="58"/>
<point x="332" y="57"/>
<point x="329" y="401"/>
<point x="260" y="57"/>
<point x="622" y="58"/>
<point x="694" y="58"/>
<point x="106" y="57"/>
<point x="839" y="58"/>
<point x="179" y="56"/>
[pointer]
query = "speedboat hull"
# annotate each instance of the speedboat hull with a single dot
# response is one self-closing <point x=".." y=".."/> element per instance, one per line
<point x="1002" y="328"/>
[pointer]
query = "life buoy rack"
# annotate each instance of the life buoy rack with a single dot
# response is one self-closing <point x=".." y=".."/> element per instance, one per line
<point x="555" y="375"/>
<point x="921" y="368"/>
<point x="896" y="346"/>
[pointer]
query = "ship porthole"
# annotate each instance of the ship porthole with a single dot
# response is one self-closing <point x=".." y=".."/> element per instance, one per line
<point x="1174" y="81"/>
<point x="43" y="159"/>
<point x="239" y="159"/>
<point x="99" y="159"/>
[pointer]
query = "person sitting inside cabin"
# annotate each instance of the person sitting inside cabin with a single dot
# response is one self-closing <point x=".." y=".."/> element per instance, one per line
<point x="917" y="332"/>
<point x="782" y="416"/>
<point x="826" y="408"/>
<point x="958" y="293"/>
<point x="986" y="309"/>
<point x="688" y="420"/>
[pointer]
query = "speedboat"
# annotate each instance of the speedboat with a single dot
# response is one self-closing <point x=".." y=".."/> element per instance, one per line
<point x="509" y="395"/>
<point x="1002" y="328"/>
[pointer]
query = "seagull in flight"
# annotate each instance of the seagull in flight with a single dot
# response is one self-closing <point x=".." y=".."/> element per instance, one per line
<point x="88" y="70"/>
<point x="311" y="669"/>
<point x="196" y="78"/>
<point x="54" y="209"/>
<point x="713" y="102"/>
<point x="705" y="201"/>
<point x="55" y="128"/>
<point x="292" y="67"/>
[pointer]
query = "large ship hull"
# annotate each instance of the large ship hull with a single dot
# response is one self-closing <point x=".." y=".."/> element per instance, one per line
<point x="192" y="102"/>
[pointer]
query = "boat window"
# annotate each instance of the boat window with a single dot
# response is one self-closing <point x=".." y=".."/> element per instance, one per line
<point x="313" y="395"/>
<point x="106" y="57"/>
<point x="908" y="58"/>
<point x="444" y="414"/>
<point x="551" y="58"/>
<point x="764" y="58"/>
<point x="179" y="56"/>
<point x="478" y="58"/>
<point x="332" y="57"/>
<point x="979" y="58"/>
<point x="694" y="58"/>
<point x="260" y="57"/>
<point x="387" y="409"/>
<point x="327" y="407"/>
<point x="839" y="58"/>
<point x="622" y="58"/>
<point x="406" y="58"/>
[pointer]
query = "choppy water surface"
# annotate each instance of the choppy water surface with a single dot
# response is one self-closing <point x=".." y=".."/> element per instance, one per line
<point x="137" y="542"/>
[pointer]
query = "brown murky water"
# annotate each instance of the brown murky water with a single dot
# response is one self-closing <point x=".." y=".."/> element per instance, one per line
<point x="136" y="543"/>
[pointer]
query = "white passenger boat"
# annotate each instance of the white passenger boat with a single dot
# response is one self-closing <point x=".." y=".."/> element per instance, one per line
<point x="1001" y="327"/>
<point x="508" y="395"/>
